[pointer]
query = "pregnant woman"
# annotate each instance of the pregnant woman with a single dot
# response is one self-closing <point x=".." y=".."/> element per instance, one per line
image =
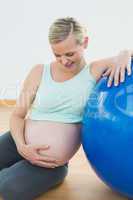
<point x="46" y="122"/>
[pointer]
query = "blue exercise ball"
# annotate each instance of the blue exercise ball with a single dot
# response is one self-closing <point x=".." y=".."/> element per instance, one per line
<point x="107" y="134"/>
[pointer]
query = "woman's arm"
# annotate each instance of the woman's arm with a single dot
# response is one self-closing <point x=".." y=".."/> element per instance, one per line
<point x="17" y="121"/>
<point x="114" y="67"/>
<point x="24" y="101"/>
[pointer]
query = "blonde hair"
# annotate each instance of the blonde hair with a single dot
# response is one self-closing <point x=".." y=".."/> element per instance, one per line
<point x="62" y="27"/>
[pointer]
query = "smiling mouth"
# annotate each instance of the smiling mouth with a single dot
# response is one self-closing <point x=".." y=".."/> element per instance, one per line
<point x="69" y="65"/>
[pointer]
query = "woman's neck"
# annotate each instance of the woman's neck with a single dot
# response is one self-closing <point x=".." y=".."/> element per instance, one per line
<point x="76" y="70"/>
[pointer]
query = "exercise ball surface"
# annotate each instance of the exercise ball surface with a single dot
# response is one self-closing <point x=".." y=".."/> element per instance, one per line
<point x="107" y="134"/>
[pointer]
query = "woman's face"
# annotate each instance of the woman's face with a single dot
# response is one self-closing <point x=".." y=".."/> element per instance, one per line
<point x="69" y="54"/>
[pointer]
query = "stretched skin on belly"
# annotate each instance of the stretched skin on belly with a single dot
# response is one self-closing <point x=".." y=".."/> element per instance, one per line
<point x="63" y="138"/>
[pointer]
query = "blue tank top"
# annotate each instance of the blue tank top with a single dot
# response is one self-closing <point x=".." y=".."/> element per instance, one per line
<point x="62" y="101"/>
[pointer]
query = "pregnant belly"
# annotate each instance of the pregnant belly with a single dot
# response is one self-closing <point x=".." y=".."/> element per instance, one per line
<point x="63" y="138"/>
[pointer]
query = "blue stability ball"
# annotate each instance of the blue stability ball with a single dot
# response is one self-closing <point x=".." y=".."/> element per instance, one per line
<point x="107" y="134"/>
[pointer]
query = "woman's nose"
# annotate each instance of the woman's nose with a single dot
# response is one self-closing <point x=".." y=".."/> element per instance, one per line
<point x="64" y="60"/>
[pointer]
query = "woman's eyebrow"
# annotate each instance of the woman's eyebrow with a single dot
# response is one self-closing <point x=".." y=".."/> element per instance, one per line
<point x="65" y="53"/>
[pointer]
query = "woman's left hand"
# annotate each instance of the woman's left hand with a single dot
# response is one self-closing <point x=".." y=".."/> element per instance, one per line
<point x="119" y="66"/>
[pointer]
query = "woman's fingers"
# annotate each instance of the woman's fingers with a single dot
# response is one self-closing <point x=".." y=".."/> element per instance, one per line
<point x="110" y="79"/>
<point x="47" y="159"/>
<point x="122" y="75"/>
<point x="121" y="71"/>
<point x="118" y="73"/>
<point x="41" y="147"/>
<point x="107" y="72"/>
<point x="121" y="65"/>
<point x="117" y="76"/>
<point x="44" y="164"/>
<point x="129" y="66"/>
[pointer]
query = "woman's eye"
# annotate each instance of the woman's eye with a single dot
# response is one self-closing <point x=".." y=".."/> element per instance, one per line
<point x="57" y="55"/>
<point x="69" y="54"/>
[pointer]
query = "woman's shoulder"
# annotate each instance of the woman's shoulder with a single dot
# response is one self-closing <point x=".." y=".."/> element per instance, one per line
<point x="38" y="68"/>
<point x="28" y="90"/>
<point x="92" y="71"/>
<point x="34" y="76"/>
<point x="37" y="71"/>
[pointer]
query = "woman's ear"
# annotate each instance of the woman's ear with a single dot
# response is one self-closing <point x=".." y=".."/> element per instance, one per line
<point x="85" y="42"/>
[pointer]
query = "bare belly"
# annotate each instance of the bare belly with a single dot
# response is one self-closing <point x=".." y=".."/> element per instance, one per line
<point x="63" y="138"/>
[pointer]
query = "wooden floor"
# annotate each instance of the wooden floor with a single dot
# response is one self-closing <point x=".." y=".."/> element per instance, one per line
<point x="81" y="182"/>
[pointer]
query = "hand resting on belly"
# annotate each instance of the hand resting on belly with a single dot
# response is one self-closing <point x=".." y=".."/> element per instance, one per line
<point x="63" y="138"/>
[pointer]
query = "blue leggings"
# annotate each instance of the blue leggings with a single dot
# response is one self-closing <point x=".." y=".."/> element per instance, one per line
<point x="19" y="179"/>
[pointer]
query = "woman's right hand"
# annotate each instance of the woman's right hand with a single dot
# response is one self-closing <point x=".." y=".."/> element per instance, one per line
<point x="30" y="153"/>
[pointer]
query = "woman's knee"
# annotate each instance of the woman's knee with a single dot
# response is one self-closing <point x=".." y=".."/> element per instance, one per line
<point x="8" y="151"/>
<point x="10" y="190"/>
<point x="13" y="187"/>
